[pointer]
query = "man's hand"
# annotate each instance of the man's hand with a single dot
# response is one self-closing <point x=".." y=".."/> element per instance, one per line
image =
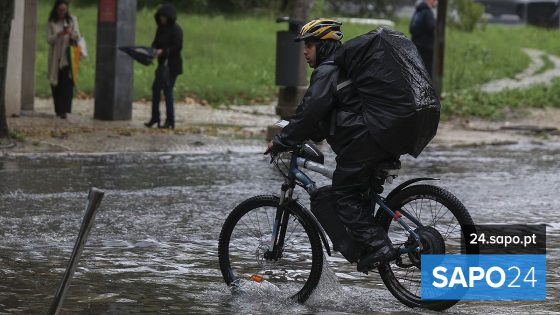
<point x="159" y="52"/>
<point x="268" y="148"/>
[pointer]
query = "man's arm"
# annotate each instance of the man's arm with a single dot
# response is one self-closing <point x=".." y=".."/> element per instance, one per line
<point x="317" y="102"/>
<point x="177" y="44"/>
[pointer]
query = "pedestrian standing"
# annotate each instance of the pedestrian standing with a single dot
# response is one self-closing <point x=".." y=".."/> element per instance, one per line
<point x="62" y="31"/>
<point x="168" y="43"/>
<point x="422" y="27"/>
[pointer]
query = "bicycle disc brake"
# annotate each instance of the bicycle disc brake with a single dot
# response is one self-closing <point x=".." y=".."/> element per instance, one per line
<point x="432" y="243"/>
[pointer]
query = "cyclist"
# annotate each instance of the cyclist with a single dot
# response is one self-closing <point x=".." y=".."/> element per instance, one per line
<point x="336" y="115"/>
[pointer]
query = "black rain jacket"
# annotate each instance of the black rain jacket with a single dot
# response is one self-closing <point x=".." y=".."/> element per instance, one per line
<point x="327" y="113"/>
<point x="169" y="38"/>
<point x="422" y="26"/>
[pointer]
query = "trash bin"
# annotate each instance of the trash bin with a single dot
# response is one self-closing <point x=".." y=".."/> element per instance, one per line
<point x="289" y="55"/>
<point x="291" y="72"/>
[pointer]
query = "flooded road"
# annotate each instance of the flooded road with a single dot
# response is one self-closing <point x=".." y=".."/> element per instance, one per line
<point x="154" y="245"/>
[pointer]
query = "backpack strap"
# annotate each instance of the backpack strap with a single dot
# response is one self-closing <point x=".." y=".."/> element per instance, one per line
<point x="343" y="84"/>
<point x="333" y="123"/>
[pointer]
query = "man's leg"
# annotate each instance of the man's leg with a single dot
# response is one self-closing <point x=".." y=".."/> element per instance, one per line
<point x="156" y="95"/>
<point x="427" y="57"/>
<point x="350" y="184"/>
<point x="351" y="180"/>
<point x="169" y="110"/>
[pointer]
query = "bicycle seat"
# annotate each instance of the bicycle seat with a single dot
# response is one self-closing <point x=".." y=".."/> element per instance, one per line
<point x="388" y="169"/>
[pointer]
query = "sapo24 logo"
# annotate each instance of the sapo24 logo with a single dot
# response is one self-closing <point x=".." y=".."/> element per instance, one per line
<point x="483" y="277"/>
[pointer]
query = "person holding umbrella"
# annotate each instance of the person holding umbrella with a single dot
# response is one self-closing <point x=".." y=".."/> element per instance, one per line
<point x="168" y="44"/>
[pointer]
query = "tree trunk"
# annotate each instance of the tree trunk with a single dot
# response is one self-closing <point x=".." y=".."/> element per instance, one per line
<point x="299" y="9"/>
<point x="6" y="14"/>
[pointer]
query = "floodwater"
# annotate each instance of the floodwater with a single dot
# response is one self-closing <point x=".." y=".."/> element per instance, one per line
<point x="153" y="248"/>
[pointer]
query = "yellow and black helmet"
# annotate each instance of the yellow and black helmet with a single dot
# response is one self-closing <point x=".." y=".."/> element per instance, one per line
<point x="321" y="29"/>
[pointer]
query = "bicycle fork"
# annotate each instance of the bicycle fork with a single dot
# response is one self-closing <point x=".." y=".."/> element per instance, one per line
<point x="280" y="225"/>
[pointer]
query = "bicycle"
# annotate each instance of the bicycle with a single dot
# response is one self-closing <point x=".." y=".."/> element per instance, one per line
<point x="275" y="239"/>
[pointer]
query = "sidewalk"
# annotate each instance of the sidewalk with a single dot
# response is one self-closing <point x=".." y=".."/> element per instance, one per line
<point x="231" y="128"/>
<point x="195" y="126"/>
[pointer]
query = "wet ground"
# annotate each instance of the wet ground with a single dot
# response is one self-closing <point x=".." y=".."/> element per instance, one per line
<point x="154" y="245"/>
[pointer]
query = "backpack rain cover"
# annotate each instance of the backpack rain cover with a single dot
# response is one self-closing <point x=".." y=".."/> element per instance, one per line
<point x="399" y="104"/>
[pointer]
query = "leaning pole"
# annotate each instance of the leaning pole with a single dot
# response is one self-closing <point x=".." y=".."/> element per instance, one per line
<point x="94" y="200"/>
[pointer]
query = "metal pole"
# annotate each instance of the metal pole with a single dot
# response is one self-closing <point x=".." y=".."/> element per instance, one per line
<point x="94" y="200"/>
<point x="439" y="48"/>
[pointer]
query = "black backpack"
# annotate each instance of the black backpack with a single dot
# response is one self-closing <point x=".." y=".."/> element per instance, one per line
<point x="399" y="104"/>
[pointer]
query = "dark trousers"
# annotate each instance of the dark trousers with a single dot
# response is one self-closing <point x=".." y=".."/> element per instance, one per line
<point x="167" y="89"/>
<point x="63" y="92"/>
<point x="351" y="181"/>
<point x="428" y="58"/>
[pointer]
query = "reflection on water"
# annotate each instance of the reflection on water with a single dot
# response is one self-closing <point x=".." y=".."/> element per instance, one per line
<point x="153" y="248"/>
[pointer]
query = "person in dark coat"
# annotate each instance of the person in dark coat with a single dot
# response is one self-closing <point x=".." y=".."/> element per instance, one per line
<point x="357" y="152"/>
<point x="422" y="27"/>
<point x="168" y="44"/>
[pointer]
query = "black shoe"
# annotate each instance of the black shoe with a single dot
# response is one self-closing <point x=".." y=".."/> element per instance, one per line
<point x="167" y="125"/>
<point x="63" y="116"/>
<point x="151" y="123"/>
<point x="374" y="257"/>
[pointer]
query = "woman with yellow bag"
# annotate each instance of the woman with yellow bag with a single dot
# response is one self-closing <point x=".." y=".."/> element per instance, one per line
<point x="63" y="34"/>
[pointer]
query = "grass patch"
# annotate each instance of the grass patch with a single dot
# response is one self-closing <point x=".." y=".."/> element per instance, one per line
<point x="548" y="65"/>
<point x="17" y="135"/>
<point x="494" y="105"/>
<point x="231" y="60"/>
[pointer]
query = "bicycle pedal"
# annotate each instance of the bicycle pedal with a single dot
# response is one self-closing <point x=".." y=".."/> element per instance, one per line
<point x="365" y="271"/>
<point x="369" y="268"/>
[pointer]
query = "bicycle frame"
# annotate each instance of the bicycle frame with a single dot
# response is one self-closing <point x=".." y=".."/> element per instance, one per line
<point x="297" y="177"/>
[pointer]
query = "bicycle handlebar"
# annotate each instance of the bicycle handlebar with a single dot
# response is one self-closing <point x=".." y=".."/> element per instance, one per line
<point x="302" y="162"/>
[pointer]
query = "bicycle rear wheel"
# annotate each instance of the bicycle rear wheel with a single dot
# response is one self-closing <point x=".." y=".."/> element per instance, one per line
<point x="244" y="250"/>
<point x="435" y="208"/>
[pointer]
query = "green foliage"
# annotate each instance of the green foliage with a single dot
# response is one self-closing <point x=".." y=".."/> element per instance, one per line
<point x="18" y="136"/>
<point x="469" y="12"/>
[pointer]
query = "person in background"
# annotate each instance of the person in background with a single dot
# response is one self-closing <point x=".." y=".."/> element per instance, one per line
<point x="168" y="44"/>
<point x="62" y="29"/>
<point x="422" y="26"/>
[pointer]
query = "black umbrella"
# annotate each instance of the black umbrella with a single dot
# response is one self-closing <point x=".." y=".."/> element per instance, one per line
<point x="142" y="54"/>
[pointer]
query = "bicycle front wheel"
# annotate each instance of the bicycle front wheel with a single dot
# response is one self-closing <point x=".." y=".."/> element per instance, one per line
<point x="441" y="216"/>
<point x="244" y="250"/>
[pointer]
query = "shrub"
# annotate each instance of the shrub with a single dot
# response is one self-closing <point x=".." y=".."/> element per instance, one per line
<point x="469" y="13"/>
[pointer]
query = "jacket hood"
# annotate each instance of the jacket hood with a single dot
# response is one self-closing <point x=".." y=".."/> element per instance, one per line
<point x="325" y="50"/>
<point x="423" y="6"/>
<point x="167" y="10"/>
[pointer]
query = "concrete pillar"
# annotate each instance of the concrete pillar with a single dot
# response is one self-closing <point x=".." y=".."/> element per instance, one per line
<point x="116" y="26"/>
<point x="28" y="56"/>
<point x="14" y="66"/>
